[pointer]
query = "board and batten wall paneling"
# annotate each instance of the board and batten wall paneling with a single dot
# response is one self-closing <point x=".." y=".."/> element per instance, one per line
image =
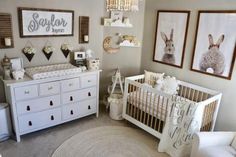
<point x="226" y="117"/>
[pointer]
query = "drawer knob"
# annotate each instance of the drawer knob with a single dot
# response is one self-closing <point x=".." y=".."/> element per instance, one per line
<point x="71" y="98"/>
<point x="51" y="103"/>
<point x="50" y="88"/>
<point x="28" y="108"/>
<point x="27" y="92"/>
<point x="71" y="112"/>
<point x="52" y="117"/>
<point x="30" y="123"/>
<point x="70" y="84"/>
<point x="89" y="94"/>
<point x="89" y="81"/>
<point x="89" y="107"/>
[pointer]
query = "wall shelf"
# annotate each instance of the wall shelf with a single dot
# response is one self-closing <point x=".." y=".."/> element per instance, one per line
<point x="122" y="26"/>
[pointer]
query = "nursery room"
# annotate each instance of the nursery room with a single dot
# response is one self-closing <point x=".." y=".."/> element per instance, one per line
<point x="117" y="78"/>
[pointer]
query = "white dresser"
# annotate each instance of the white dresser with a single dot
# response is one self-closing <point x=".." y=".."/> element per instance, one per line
<point x="39" y="104"/>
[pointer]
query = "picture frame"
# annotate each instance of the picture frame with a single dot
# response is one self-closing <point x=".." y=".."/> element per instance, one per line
<point x="170" y="37"/>
<point x="215" y="49"/>
<point x="79" y="55"/>
<point x="38" y="22"/>
<point x="16" y="63"/>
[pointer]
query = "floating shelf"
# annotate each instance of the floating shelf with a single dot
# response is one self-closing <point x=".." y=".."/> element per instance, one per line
<point x="124" y="26"/>
<point x="129" y="46"/>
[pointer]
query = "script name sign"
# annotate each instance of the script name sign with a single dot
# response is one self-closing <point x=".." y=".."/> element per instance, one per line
<point x="35" y="22"/>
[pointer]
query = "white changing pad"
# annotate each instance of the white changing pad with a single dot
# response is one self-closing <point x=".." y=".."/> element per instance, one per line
<point x="49" y="71"/>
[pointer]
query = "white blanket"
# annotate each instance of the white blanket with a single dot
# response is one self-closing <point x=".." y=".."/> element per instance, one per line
<point x="184" y="120"/>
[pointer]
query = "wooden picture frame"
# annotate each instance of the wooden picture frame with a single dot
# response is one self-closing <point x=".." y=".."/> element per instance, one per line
<point x="38" y="22"/>
<point x="215" y="48"/>
<point x="174" y="26"/>
<point x="6" y="32"/>
<point x="83" y="29"/>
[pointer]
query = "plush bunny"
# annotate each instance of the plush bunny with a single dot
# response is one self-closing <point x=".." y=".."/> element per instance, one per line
<point x="213" y="61"/>
<point x="169" y="56"/>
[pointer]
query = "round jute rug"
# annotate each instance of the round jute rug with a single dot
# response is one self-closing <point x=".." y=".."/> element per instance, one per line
<point x="109" y="141"/>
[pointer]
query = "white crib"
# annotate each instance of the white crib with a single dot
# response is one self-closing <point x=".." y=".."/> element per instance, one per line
<point x="150" y="111"/>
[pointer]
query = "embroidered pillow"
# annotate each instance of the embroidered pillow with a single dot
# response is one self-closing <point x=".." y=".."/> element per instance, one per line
<point x="151" y="77"/>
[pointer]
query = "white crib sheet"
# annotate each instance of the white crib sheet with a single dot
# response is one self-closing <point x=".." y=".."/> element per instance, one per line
<point x="149" y="104"/>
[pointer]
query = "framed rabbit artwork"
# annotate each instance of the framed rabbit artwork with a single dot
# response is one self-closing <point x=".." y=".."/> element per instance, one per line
<point x="171" y="34"/>
<point x="215" y="48"/>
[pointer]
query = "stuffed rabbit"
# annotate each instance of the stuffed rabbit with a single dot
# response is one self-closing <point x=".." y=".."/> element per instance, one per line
<point x="213" y="61"/>
<point x="169" y="56"/>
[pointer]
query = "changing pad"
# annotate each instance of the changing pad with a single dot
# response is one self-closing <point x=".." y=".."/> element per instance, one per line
<point x="56" y="70"/>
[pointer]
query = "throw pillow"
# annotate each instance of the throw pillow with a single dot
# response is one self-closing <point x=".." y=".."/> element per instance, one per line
<point x="169" y="85"/>
<point x="151" y="77"/>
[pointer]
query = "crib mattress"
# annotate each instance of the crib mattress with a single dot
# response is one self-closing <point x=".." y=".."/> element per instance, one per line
<point x="147" y="102"/>
<point x="49" y="71"/>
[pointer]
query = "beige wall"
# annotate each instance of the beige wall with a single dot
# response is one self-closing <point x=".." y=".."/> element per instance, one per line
<point x="127" y="59"/>
<point x="80" y="7"/>
<point x="227" y="117"/>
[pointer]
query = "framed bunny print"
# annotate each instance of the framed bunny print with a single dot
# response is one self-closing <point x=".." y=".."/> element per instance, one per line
<point x="214" y="50"/>
<point x="171" y="34"/>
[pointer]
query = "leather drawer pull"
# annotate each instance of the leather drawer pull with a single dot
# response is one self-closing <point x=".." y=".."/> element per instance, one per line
<point x="52" y="117"/>
<point x="51" y="103"/>
<point x="89" y="107"/>
<point x="71" y="98"/>
<point x="30" y="123"/>
<point x="89" y="94"/>
<point x="71" y="112"/>
<point x="27" y="92"/>
<point x="28" y="108"/>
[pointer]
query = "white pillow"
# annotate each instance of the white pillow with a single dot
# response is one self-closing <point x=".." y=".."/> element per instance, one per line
<point x="151" y="77"/>
<point x="234" y="143"/>
<point x="168" y="85"/>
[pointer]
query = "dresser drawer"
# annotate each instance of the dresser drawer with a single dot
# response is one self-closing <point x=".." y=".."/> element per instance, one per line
<point x="49" y="88"/>
<point x="88" y="81"/>
<point x="26" y="92"/>
<point x="70" y="97"/>
<point x="70" y="111"/>
<point x="87" y="93"/>
<point x="87" y="107"/>
<point x="70" y="85"/>
<point x="40" y="119"/>
<point x="37" y="105"/>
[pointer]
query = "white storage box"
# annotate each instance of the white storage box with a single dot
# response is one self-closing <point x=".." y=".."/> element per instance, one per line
<point x="116" y="106"/>
<point x="5" y="122"/>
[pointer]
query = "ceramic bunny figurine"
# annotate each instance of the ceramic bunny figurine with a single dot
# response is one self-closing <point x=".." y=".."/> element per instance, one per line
<point x="213" y="61"/>
<point x="169" y="56"/>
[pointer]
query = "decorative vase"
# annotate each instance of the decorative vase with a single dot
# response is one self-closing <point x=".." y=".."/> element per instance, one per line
<point x="48" y="55"/>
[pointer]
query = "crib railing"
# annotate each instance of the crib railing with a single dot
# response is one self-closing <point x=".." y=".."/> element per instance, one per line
<point x="148" y="108"/>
